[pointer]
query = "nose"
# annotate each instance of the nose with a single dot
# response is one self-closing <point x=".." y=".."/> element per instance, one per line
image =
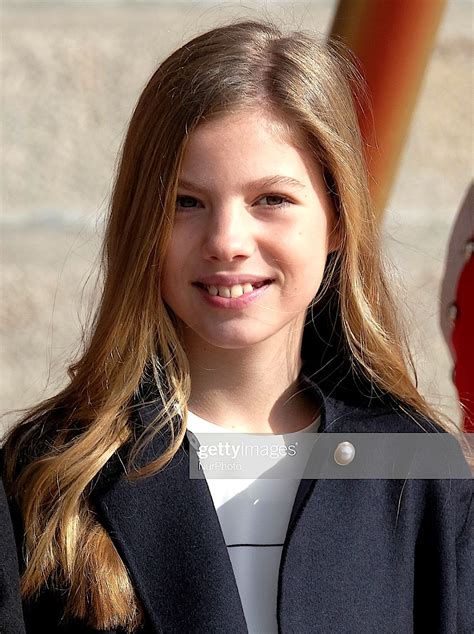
<point x="229" y="234"/>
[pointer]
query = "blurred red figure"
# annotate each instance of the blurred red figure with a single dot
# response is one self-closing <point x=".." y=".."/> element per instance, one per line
<point x="457" y="306"/>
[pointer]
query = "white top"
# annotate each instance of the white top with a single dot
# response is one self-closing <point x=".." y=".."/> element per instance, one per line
<point x="254" y="514"/>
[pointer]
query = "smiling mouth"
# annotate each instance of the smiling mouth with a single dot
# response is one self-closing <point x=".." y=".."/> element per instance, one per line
<point x="236" y="290"/>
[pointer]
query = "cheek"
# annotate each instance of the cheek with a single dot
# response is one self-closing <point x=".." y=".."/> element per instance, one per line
<point x="306" y="251"/>
<point x="178" y="250"/>
<point x="309" y="242"/>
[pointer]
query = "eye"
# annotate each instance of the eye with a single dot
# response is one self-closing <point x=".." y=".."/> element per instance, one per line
<point x="276" y="200"/>
<point x="186" y="202"/>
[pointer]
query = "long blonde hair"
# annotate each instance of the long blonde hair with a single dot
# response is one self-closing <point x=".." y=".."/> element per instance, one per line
<point x="53" y="454"/>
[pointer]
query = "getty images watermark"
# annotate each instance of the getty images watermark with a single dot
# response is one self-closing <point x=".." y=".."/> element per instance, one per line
<point x="329" y="455"/>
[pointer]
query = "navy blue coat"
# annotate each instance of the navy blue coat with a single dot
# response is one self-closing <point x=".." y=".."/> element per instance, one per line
<point x="360" y="555"/>
<point x="11" y="620"/>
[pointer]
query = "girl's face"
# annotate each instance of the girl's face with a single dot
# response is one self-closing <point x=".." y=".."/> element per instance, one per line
<point x="251" y="206"/>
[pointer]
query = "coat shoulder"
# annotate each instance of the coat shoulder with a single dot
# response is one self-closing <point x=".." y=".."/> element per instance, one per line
<point x="386" y="416"/>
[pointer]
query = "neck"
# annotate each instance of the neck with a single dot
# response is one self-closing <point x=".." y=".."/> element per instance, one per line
<point x="252" y="389"/>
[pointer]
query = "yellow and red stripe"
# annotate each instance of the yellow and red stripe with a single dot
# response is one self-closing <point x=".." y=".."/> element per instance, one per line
<point x="393" y="40"/>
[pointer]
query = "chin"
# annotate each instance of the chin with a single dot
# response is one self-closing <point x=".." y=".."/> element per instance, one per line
<point x="230" y="338"/>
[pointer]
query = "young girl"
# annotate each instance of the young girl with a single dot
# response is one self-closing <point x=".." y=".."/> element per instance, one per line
<point x="243" y="292"/>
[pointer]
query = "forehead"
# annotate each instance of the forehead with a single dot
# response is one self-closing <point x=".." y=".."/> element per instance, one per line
<point x="249" y="142"/>
<point x="254" y="121"/>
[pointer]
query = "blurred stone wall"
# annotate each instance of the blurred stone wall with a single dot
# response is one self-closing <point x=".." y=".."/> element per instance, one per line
<point x="71" y="74"/>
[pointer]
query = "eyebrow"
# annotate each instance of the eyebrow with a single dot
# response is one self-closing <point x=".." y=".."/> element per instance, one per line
<point x="266" y="181"/>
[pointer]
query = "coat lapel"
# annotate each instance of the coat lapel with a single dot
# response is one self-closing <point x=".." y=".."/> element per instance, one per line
<point x="333" y="413"/>
<point x="167" y="531"/>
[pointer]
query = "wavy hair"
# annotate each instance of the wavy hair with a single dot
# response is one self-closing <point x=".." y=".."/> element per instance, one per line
<point x="53" y="454"/>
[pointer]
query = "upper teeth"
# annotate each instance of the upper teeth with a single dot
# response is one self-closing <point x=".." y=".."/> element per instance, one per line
<point x="230" y="291"/>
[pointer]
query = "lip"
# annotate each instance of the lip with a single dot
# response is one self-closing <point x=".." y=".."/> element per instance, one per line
<point x="230" y="280"/>
<point x="232" y="302"/>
